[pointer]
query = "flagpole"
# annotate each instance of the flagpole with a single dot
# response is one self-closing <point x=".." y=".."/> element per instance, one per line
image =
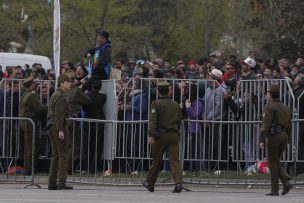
<point x="56" y="37"/>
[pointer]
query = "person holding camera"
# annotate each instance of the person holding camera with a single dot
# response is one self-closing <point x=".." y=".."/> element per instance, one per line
<point x="164" y="126"/>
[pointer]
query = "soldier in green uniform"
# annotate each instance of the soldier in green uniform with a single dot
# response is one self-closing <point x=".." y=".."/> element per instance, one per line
<point x="76" y="99"/>
<point x="29" y="107"/>
<point x="58" y="110"/>
<point x="275" y="130"/>
<point x="164" y="125"/>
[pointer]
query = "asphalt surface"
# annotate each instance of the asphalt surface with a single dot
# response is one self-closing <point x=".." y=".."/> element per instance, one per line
<point x="15" y="193"/>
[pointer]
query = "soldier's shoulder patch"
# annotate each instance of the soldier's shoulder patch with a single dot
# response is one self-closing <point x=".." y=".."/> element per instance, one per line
<point x="153" y="110"/>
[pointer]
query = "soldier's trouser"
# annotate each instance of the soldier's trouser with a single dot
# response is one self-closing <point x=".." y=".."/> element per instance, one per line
<point x="168" y="142"/>
<point x="27" y="128"/>
<point x="275" y="148"/>
<point x="60" y="154"/>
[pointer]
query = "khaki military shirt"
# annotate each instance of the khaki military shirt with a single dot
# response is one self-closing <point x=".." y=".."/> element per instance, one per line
<point x="58" y="109"/>
<point x="165" y="115"/>
<point x="30" y="105"/>
<point x="76" y="98"/>
<point x="275" y="113"/>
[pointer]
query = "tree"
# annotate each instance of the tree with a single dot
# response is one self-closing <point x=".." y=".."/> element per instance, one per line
<point x="158" y="28"/>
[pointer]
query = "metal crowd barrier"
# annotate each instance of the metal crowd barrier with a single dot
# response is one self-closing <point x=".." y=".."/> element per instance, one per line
<point x="213" y="149"/>
<point x="100" y="152"/>
<point x="230" y="142"/>
<point x="10" y="145"/>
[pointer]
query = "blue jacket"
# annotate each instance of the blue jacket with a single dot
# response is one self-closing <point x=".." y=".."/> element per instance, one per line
<point x="214" y="100"/>
<point x="139" y="106"/>
<point x="101" y="61"/>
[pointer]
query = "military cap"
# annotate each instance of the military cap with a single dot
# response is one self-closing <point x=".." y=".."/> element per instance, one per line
<point x="163" y="84"/>
<point x="63" y="78"/>
<point x="71" y="74"/>
<point x="274" y="88"/>
<point x="28" y="82"/>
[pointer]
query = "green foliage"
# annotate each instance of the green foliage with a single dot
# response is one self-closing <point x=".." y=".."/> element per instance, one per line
<point x="9" y="18"/>
<point x="158" y="28"/>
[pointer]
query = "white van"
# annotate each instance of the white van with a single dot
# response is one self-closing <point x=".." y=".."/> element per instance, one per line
<point x="15" y="59"/>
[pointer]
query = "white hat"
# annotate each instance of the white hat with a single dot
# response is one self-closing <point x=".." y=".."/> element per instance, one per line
<point x="217" y="73"/>
<point x="250" y="62"/>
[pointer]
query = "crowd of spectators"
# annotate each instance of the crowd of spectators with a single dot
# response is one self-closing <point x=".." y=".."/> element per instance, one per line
<point x="123" y="71"/>
<point x="229" y="75"/>
<point x="159" y="68"/>
<point x="226" y="71"/>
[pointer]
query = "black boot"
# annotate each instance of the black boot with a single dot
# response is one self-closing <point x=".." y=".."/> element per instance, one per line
<point x="287" y="188"/>
<point x="272" y="194"/>
<point x="146" y="185"/>
<point x="178" y="188"/>
<point x="52" y="186"/>
<point x="64" y="186"/>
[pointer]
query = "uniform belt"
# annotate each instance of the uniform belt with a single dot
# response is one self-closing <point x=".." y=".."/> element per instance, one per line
<point x="168" y="130"/>
<point x="276" y="129"/>
<point x="280" y="129"/>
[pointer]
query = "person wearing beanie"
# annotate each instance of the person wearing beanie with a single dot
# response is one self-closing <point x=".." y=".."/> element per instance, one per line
<point x="192" y="72"/>
<point x="100" y="58"/>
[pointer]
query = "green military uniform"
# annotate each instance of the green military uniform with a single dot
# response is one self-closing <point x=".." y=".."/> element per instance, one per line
<point x="75" y="99"/>
<point x="165" y="116"/>
<point x="29" y="107"/>
<point x="58" y="109"/>
<point x="275" y="130"/>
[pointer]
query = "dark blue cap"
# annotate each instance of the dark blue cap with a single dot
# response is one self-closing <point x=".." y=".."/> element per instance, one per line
<point x="104" y="34"/>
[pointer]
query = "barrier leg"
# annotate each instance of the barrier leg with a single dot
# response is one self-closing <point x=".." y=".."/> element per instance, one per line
<point x="33" y="160"/>
<point x="1" y="167"/>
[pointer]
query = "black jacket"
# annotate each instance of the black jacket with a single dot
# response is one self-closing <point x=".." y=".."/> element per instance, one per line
<point x="94" y="110"/>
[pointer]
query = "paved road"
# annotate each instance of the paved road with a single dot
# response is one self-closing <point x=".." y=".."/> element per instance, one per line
<point x="14" y="193"/>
